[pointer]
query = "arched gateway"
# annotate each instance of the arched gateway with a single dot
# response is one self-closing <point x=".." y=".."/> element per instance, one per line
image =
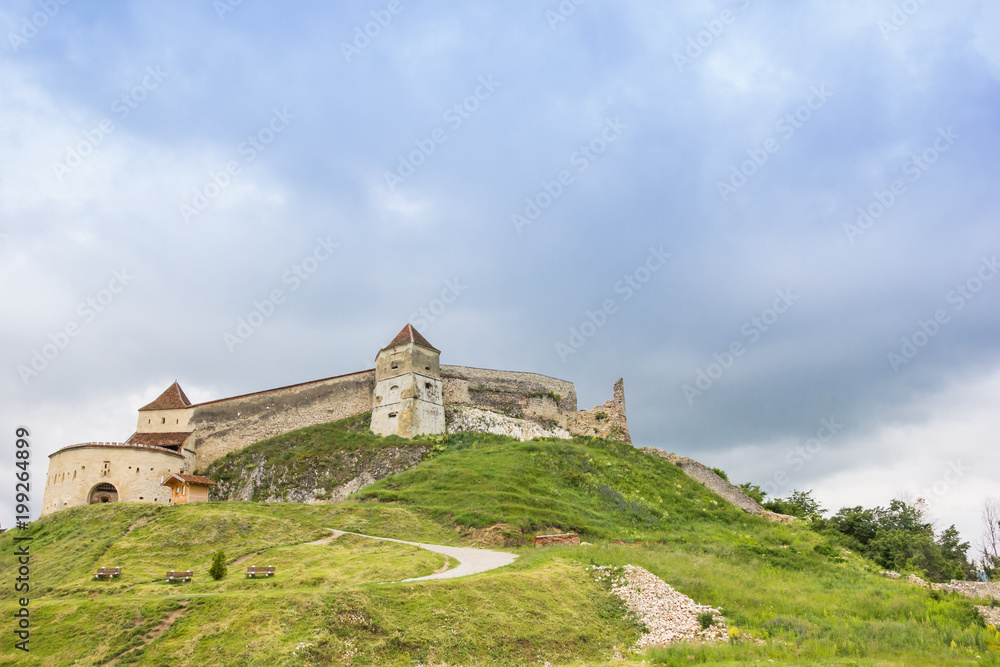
<point x="103" y="493"/>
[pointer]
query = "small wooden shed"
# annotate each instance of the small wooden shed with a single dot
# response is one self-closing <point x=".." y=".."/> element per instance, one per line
<point x="186" y="489"/>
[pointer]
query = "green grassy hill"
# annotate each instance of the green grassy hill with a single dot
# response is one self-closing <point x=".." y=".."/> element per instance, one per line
<point x="328" y="604"/>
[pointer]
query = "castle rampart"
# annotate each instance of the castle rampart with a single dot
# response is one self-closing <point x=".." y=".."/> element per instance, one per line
<point x="533" y="394"/>
<point x="231" y="424"/>
<point x="175" y="436"/>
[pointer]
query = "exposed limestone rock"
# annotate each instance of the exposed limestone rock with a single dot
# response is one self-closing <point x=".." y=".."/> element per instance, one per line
<point x="464" y="418"/>
<point x="305" y="482"/>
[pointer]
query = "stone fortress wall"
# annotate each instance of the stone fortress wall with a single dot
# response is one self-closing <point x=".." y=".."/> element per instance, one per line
<point x="230" y="424"/>
<point x="173" y="435"/>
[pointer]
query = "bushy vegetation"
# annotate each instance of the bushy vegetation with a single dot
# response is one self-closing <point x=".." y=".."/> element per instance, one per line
<point x="721" y="473"/>
<point x="900" y="538"/>
<point x="897" y="537"/>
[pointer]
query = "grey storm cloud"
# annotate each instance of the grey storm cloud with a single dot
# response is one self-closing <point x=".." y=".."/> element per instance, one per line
<point x="817" y="180"/>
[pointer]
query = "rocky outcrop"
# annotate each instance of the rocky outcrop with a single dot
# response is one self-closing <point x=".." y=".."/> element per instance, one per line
<point x="327" y="479"/>
<point x="465" y="418"/>
<point x="563" y="539"/>
<point x="717" y="485"/>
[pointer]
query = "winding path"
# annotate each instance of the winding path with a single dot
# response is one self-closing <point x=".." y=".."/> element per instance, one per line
<point x="470" y="561"/>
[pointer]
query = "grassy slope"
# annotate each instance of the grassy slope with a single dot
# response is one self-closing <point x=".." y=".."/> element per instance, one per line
<point x="326" y="606"/>
<point x="326" y="603"/>
<point x="767" y="577"/>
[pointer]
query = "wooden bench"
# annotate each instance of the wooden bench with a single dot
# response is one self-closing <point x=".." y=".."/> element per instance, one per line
<point x="109" y="572"/>
<point x="254" y="570"/>
<point x="179" y="575"/>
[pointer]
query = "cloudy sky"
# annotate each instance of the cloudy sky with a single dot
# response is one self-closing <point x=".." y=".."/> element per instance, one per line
<point x="778" y="223"/>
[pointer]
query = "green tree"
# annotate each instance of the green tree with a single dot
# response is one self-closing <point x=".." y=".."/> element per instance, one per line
<point x="798" y="503"/>
<point x="900" y="538"/>
<point x="754" y="491"/>
<point x="218" y="569"/>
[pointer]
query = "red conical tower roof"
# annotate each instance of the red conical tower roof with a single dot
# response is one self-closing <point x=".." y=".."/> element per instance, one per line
<point x="410" y="335"/>
<point x="171" y="399"/>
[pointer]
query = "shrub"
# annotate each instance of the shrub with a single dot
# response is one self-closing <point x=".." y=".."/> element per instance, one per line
<point x="218" y="569"/>
<point x="829" y="551"/>
<point x="974" y="617"/>
<point x="721" y="473"/>
<point x="706" y="619"/>
<point x="995" y="603"/>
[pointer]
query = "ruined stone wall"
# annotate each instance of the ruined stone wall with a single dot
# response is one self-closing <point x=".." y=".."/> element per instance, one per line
<point x="604" y="421"/>
<point x="719" y="486"/>
<point x="135" y="472"/>
<point x="528" y="395"/>
<point x="231" y="424"/>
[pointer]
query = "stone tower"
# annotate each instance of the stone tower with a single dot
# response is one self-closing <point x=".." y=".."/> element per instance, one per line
<point x="409" y="397"/>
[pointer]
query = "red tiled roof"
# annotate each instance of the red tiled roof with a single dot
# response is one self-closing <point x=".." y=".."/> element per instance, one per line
<point x="166" y="440"/>
<point x="171" y="399"/>
<point x="410" y="335"/>
<point x="191" y="479"/>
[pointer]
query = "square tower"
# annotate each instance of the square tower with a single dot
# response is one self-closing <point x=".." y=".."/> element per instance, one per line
<point x="409" y="396"/>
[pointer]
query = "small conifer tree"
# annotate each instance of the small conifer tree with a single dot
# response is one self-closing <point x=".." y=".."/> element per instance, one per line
<point x="218" y="569"/>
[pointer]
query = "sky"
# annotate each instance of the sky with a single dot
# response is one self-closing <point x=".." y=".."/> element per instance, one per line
<point x="776" y="221"/>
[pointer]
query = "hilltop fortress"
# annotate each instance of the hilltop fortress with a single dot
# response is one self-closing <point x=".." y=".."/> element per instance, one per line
<point x="409" y="393"/>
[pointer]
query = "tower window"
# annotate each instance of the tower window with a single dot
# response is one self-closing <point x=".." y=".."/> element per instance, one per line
<point x="394" y="365"/>
<point x="392" y="415"/>
<point x="164" y="420"/>
<point x="427" y="385"/>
